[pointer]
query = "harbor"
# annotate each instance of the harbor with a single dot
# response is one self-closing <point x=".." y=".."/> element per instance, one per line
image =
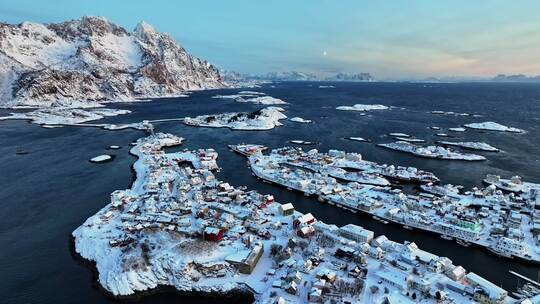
<point x="503" y="224"/>
<point x="197" y="233"/>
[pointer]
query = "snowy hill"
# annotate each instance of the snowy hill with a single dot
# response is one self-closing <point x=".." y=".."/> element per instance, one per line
<point x="363" y="77"/>
<point x="516" y="78"/>
<point x="90" y="60"/>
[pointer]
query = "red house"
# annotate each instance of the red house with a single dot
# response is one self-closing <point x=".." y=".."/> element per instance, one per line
<point x="213" y="234"/>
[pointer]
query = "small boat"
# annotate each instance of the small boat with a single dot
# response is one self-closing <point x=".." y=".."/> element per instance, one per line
<point x="375" y="217"/>
<point x="21" y="152"/>
<point x="446" y="237"/>
<point x="407" y="227"/>
<point x="463" y="243"/>
<point x="385" y="222"/>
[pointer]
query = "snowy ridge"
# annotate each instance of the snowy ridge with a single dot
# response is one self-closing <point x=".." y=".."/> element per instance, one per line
<point x="91" y="60"/>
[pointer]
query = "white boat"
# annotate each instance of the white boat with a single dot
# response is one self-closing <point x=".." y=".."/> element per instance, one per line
<point x="446" y="237"/>
<point x="499" y="252"/>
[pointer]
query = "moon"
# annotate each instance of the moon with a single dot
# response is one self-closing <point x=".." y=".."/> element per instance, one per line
<point x="324" y="53"/>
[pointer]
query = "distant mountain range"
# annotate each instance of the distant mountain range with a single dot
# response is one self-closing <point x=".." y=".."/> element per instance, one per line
<point x="297" y="76"/>
<point x="516" y="78"/>
<point x="362" y="77"/>
<point x="87" y="61"/>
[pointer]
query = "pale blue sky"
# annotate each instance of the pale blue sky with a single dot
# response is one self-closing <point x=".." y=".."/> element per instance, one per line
<point x="390" y="39"/>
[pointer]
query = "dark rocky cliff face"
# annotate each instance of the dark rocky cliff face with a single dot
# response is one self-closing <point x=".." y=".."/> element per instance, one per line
<point x="92" y="60"/>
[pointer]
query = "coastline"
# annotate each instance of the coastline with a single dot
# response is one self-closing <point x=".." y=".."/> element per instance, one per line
<point x="239" y="295"/>
<point x="235" y="295"/>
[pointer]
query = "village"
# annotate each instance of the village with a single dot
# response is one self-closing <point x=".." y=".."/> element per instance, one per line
<point x="179" y="226"/>
<point x="506" y="223"/>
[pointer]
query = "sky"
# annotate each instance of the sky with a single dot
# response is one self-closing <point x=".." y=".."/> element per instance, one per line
<point x="395" y="39"/>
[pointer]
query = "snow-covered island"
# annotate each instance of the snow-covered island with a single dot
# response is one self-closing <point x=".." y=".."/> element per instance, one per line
<point x="300" y="120"/>
<point x="179" y="226"/>
<point x="302" y="142"/>
<point x="399" y="134"/>
<point x="410" y="139"/>
<point x="493" y="126"/>
<point x="363" y="107"/>
<point x="471" y="145"/>
<point x="431" y="151"/>
<point x="64" y="115"/>
<point x="262" y="100"/>
<point x="101" y="158"/>
<point x="252" y="97"/>
<point x="263" y="119"/>
<point x="356" y="138"/>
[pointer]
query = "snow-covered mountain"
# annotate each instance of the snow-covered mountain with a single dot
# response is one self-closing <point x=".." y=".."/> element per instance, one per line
<point x="282" y="76"/>
<point x="364" y="77"/>
<point x="86" y="61"/>
<point x="299" y="76"/>
<point x="516" y="78"/>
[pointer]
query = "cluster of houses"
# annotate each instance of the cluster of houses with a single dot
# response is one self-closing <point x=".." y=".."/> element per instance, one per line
<point x="507" y="224"/>
<point x="217" y="236"/>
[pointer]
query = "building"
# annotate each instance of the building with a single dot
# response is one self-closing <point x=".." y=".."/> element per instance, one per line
<point x="396" y="279"/>
<point x="246" y="260"/>
<point x="356" y="233"/>
<point x="212" y="234"/>
<point x="485" y="291"/>
<point x="307" y="218"/>
<point x="306" y="231"/>
<point x="456" y="274"/>
<point x="287" y="209"/>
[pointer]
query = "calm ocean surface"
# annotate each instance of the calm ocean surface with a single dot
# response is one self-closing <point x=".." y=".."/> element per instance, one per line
<point x="49" y="192"/>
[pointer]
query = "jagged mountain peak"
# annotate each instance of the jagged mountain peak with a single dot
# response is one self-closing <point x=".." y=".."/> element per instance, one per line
<point x="143" y="28"/>
<point x="86" y="26"/>
<point x="92" y="59"/>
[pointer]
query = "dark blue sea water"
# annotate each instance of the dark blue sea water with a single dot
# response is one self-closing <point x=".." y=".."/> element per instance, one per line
<point x="49" y="192"/>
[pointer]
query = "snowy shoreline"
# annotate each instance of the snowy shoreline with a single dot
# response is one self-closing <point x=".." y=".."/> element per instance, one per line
<point x="148" y="237"/>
